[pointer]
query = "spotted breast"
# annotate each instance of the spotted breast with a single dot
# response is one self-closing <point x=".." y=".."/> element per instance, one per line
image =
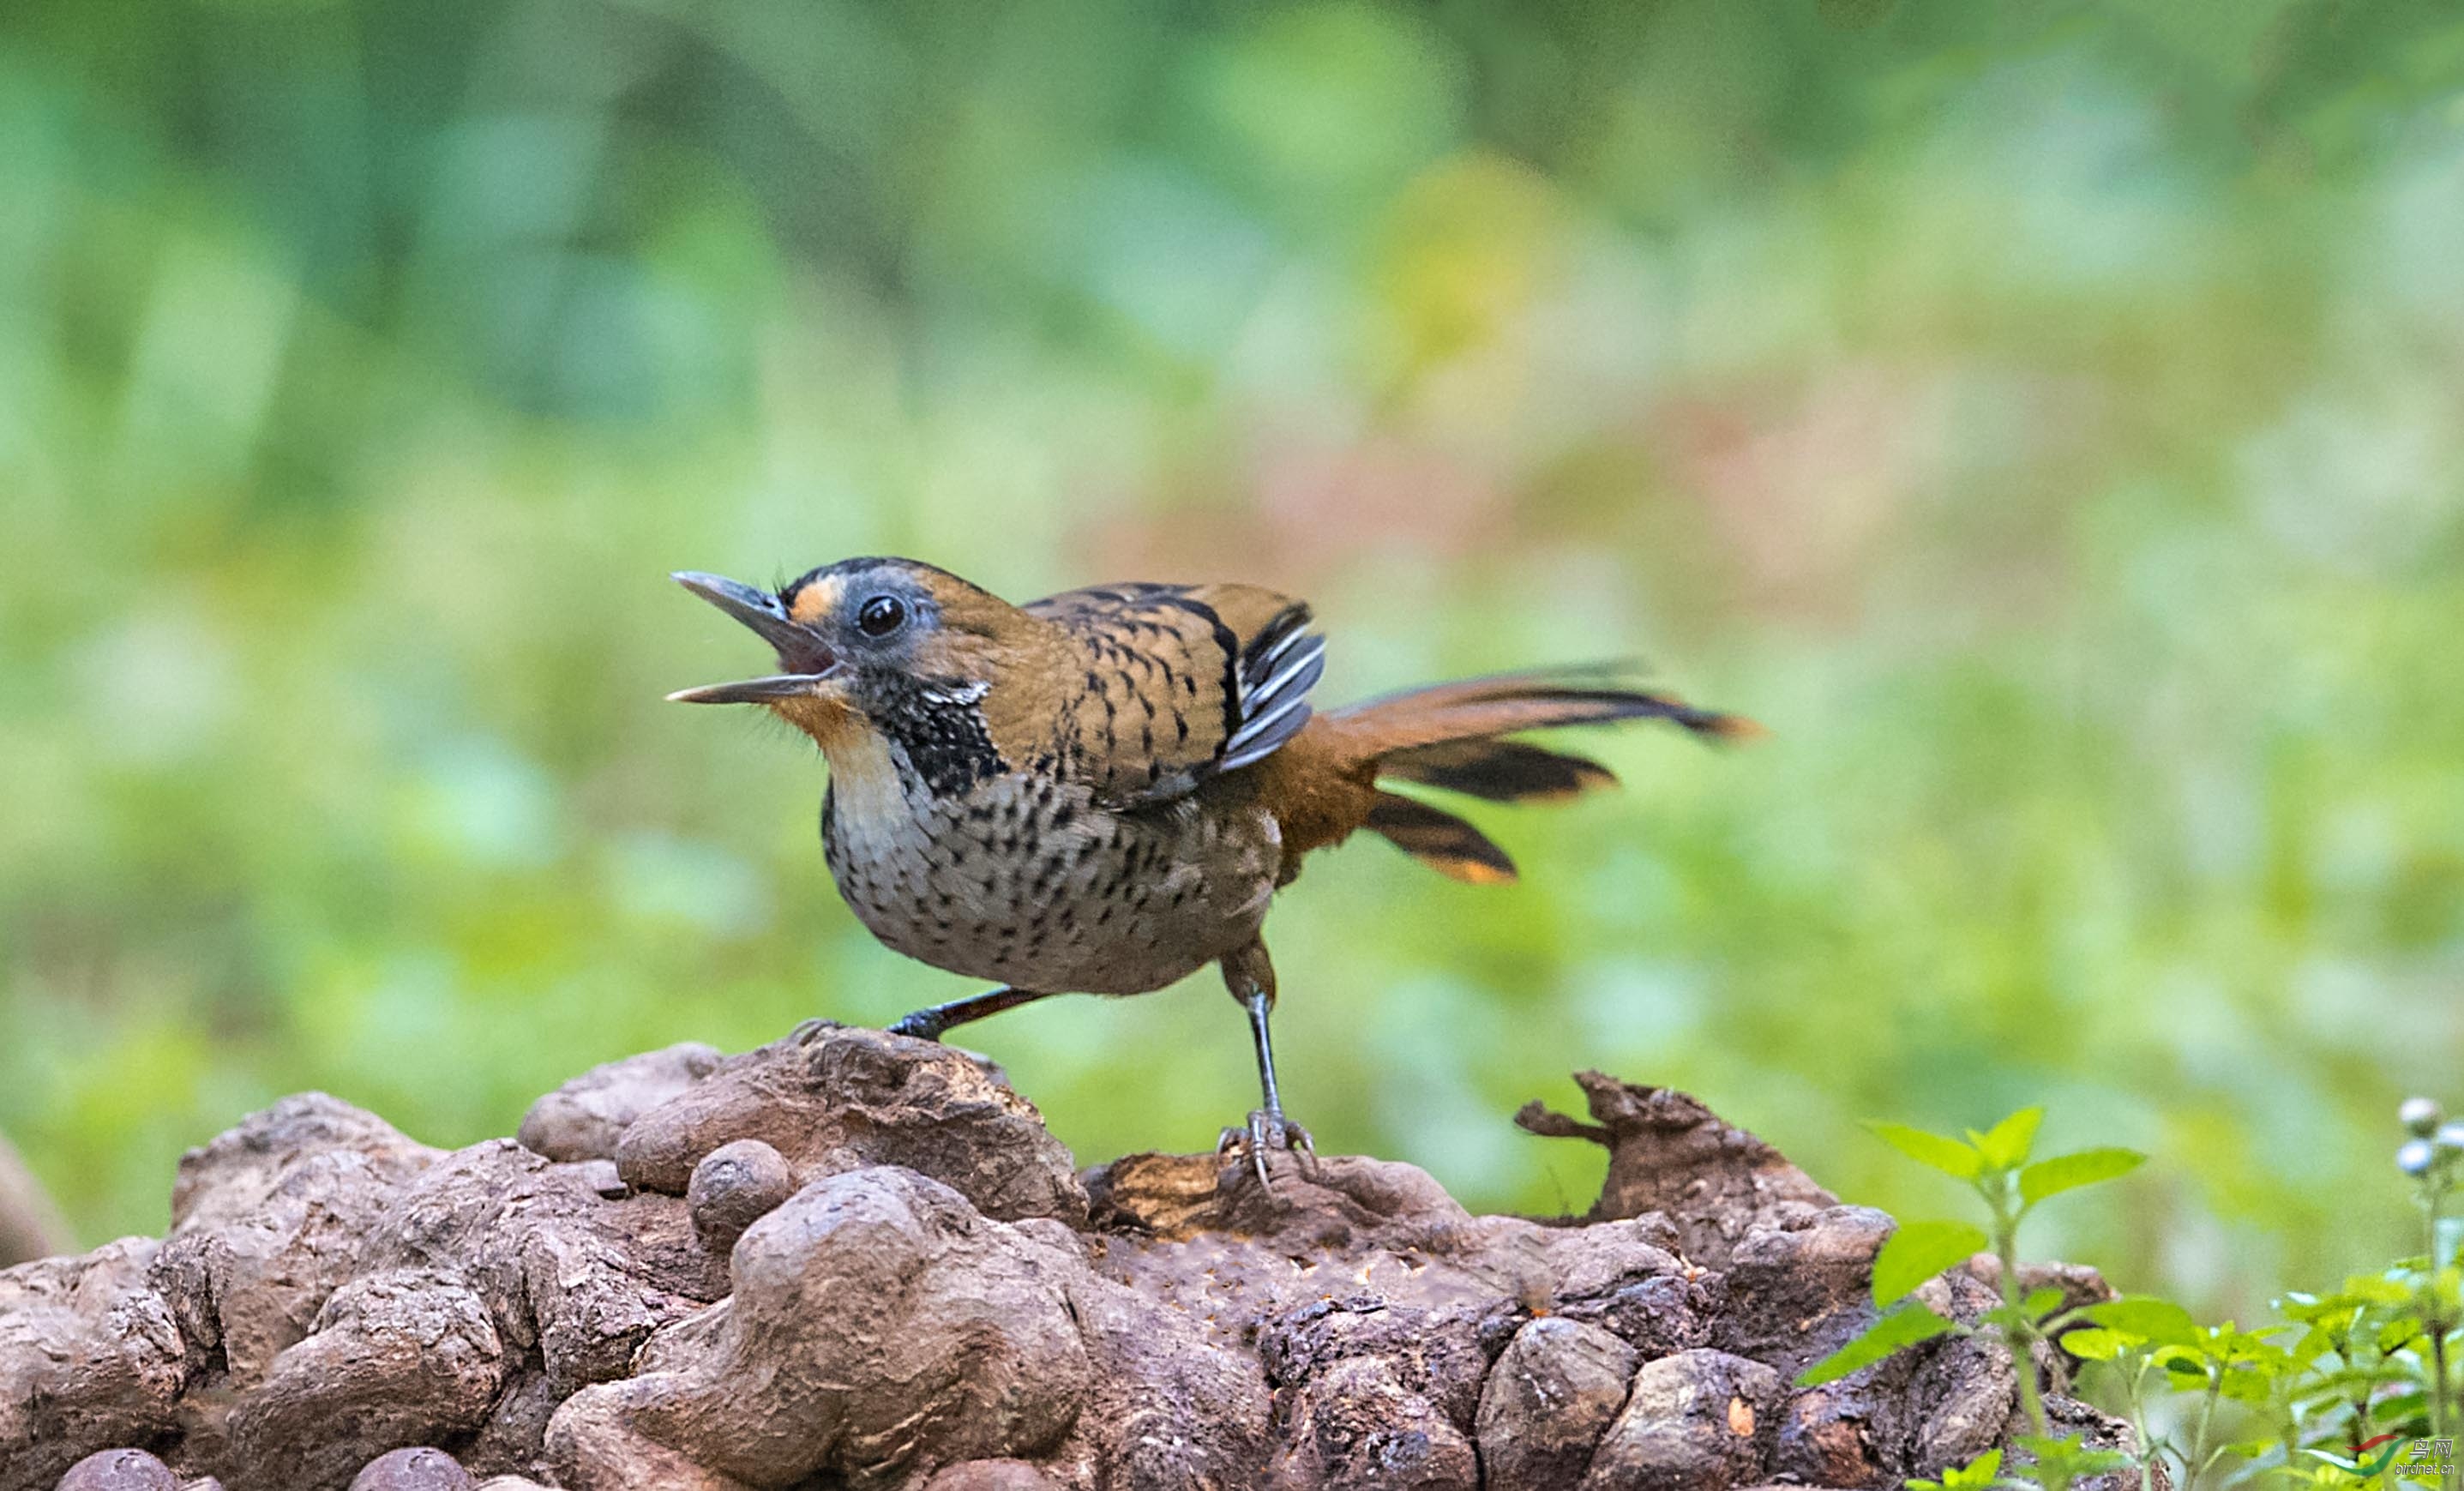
<point x="1026" y="879"/>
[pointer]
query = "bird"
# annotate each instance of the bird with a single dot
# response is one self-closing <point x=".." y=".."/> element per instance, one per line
<point x="1101" y="791"/>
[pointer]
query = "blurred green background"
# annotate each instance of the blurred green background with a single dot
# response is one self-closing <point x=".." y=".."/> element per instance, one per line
<point x="2045" y="417"/>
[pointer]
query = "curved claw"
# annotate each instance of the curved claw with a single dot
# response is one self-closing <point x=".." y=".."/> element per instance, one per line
<point x="1268" y="1130"/>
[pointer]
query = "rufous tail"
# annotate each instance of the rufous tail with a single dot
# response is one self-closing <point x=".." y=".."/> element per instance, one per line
<point x="1451" y="737"/>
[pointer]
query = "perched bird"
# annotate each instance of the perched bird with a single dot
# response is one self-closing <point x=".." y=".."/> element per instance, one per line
<point x="1099" y="792"/>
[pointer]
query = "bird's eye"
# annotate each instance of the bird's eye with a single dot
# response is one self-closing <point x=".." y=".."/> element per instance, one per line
<point x="881" y="616"/>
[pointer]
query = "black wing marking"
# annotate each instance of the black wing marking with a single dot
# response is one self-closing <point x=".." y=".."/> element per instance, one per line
<point x="1278" y="668"/>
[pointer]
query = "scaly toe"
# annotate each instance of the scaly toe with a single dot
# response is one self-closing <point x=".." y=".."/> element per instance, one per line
<point x="1265" y="1132"/>
<point x="1292" y="1137"/>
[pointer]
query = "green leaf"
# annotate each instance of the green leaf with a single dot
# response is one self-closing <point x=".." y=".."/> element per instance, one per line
<point x="1905" y="1326"/>
<point x="2401" y="1408"/>
<point x="2004" y="1145"/>
<point x="2330" y="1314"/>
<point x="2059" y="1461"/>
<point x="2314" y="1343"/>
<point x="2160" y="1322"/>
<point x="1920" y="1250"/>
<point x="2095" y="1344"/>
<point x="2246" y="1385"/>
<point x="2367" y="1290"/>
<point x="2070" y="1172"/>
<point x="1977" y="1474"/>
<point x="2041" y="1302"/>
<point x="1948" y="1155"/>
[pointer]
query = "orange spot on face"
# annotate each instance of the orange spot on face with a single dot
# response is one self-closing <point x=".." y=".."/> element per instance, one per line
<point x="1741" y="1418"/>
<point x="815" y="601"/>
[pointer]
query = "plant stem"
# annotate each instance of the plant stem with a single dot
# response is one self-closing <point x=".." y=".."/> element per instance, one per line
<point x="2441" y="1418"/>
<point x="2018" y="1332"/>
<point x="2437" y="1376"/>
<point x="2194" y="1464"/>
<point x="2150" y="1450"/>
<point x="2433" y="1196"/>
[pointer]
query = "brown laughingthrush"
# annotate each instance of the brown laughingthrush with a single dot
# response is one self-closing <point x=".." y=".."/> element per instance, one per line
<point x="1099" y="792"/>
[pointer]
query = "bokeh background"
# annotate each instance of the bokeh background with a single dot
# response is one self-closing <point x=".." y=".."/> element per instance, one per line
<point x="2045" y="417"/>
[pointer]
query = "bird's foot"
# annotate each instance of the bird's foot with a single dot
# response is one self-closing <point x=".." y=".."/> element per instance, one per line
<point x="1268" y="1130"/>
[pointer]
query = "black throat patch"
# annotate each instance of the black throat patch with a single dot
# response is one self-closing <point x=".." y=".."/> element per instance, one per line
<point x="939" y="725"/>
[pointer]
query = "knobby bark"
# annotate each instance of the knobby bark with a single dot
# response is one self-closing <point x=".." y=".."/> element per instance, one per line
<point x="849" y="1260"/>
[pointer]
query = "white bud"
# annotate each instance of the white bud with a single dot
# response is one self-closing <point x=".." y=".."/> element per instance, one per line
<point x="2449" y="1141"/>
<point x="2419" y="1116"/>
<point x="2415" y="1158"/>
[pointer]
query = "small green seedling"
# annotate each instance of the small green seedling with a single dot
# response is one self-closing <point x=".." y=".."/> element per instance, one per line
<point x="1998" y="1164"/>
<point x="1978" y="1475"/>
<point x="2366" y="1393"/>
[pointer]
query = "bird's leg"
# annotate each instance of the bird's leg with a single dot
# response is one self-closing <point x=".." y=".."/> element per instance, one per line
<point x="929" y="1023"/>
<point x="1251" y="979"/>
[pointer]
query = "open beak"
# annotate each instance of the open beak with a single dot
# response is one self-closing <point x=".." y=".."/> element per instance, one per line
<point x="805" y="659"/>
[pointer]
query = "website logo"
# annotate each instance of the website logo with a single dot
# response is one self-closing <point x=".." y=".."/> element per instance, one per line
<point x="2405" y="1458"/>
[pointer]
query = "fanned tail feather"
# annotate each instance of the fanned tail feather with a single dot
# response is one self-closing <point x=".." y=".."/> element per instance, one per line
<point x="1501" y="771"/>
<point x="1447" y="736"/>
<point x="1439" y="839"/>
<point x="1508" y="703"/>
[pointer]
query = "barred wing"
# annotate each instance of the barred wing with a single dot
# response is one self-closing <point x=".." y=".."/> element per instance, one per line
<point x="1181" y="683"/>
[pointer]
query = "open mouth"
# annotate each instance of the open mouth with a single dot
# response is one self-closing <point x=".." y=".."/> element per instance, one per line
<point x="804" y="659"/>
